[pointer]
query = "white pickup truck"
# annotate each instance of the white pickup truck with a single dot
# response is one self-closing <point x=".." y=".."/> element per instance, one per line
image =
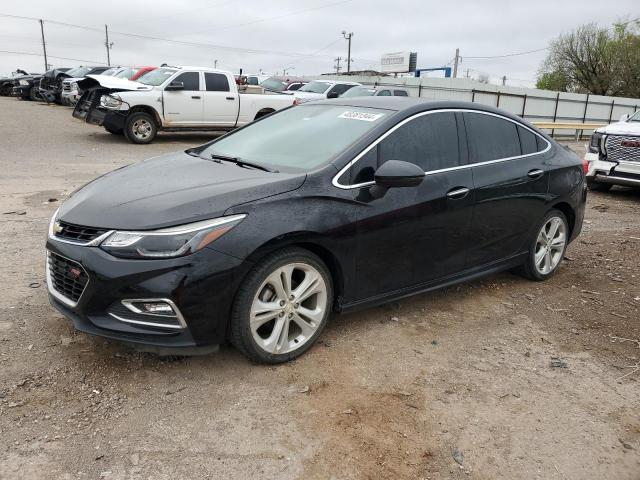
<point x="614" y="154"/>
<point x="171" y="99"/>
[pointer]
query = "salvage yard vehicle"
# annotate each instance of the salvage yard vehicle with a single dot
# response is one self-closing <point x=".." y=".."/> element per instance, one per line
<point x="379" y="91"/>
<point x="320" y="89"/>
<point x="73" y="76"/>
<point x="171" y="99"/>
<point x="6" y="83"/>
<point x="26" y="87"/>
<point x="614" y="155"/>
<point x="257" y="236"/>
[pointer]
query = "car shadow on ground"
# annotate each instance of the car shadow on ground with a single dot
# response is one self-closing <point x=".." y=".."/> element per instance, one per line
<point x="196" y="138"/>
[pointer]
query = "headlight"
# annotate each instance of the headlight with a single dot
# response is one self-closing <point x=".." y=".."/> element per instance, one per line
<point x="23" y="82"/>
<point x="594" y="144"/>
<point x="74" y="85"/>
<point x="112" y="102"/>
<point x="169" y="242"/>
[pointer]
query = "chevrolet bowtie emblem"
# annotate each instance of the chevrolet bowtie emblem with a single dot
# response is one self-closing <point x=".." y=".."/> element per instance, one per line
<point x="57" y="228"/>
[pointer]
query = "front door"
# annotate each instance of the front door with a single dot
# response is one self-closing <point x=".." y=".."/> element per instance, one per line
<point x="412" y="236"/>
<point x="511" y="179"/>
<point x="184" y="107"/>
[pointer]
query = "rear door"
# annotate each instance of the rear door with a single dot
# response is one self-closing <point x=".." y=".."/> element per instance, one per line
<point x="412" y="236"/>
<point x="220" y="104"/>
<point x="511" y="178"/>
<point x="184" y="107"/>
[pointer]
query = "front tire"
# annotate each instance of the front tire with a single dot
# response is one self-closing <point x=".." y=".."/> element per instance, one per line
<point x="548" y="247"/>
<point x="282" y="306"/>
<point x="598" y="186"/>
<point x="33" y="94"/>
<point x="140" y="128"/>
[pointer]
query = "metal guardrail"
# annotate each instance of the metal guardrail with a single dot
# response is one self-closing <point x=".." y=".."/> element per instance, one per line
<point x="579" y="127"/>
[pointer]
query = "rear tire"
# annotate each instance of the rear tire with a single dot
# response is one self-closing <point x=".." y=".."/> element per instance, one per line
<point x="598" y="186"/>
<point x="547" y="247"/>
<point x="282" y="306"/>
<point x="140" y="128"/>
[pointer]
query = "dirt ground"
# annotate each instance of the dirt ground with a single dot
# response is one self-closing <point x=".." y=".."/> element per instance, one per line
<point x="496" y="379"/>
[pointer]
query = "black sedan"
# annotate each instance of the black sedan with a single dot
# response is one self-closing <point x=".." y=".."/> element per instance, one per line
<point x="257" y="236"/>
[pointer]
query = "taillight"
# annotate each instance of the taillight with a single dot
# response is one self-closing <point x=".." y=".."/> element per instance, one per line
<point x="585" y="166"/>
<point x="296" y="101"/>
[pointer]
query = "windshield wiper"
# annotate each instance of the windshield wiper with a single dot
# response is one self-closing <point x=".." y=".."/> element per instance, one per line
<point x="241" y="163"/>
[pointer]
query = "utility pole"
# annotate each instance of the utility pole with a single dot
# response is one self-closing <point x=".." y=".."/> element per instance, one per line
<point x="44" y="46"/>
<point x="215" y="63"/>
<point x="337" y="65"/>
<point x="455" y="63"/>
<point x="504" y="80"/>
<point x="348" y="36"/>
<point x="107" y="44"/>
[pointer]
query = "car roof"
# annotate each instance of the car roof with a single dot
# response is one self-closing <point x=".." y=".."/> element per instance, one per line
<point x="411" y="105"/>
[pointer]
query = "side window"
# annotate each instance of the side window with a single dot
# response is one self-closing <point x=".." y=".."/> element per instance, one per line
<point x="490" y="137"/>
<point x="340" y="89"/>
<point x="430" y="141"/>
<point x="294" y="86"/>
<point x="400" y="93"/>
<point x="191" y="80"/>
<point x="216" y="82"/>
<point x="541" y="143"/>
<point x="384" y="93"/>
<point x="527" y="141"/>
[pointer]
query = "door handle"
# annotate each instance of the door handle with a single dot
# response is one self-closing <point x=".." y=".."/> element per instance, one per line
<point x="195" y="97"/>
<point x="231" y="98"/>
<point x="536" y="173"/>
<point x="457" y="193"/>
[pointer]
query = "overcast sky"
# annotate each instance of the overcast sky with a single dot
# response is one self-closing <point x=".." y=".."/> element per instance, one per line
<point x="270" y="35"/>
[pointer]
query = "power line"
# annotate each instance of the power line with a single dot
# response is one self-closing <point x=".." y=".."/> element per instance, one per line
<point x="53" y="56"/>
<point x="509" y="54"/>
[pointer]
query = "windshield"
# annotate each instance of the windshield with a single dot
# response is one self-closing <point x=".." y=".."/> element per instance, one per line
<point x="126" y="73"/>
<point x="635" y="117"/>
<point x="273" y="84"/>
<point x="300" y="138"/>
<point x="315" y="87"/>
<point x="78" y="72"/>
<point x="157" y="77"/>
<point x="359" y="92"/>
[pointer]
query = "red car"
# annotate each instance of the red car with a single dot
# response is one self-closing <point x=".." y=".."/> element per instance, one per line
<point x="133" y="73"/>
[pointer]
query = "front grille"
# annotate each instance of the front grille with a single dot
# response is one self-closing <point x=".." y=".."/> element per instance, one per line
<point x="66" y="87"/>
<point x="616" y="151"/>
<point x="68" y="278"/>
<point x="78" y="233"/>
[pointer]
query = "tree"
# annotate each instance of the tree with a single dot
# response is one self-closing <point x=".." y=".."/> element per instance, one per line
<point x="594" y="60"/>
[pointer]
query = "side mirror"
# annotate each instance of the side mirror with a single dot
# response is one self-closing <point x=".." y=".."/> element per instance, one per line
<point x="333" y="95"/>
<point x="175" y="85"/>
<point x="394" y="173"/>
<point x="624" y="117"/>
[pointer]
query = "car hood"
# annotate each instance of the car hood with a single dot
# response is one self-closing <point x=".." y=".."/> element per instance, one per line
<point x="114" y="84"/>
<point x="621" y="128"/>
<point x="170" y="190"/>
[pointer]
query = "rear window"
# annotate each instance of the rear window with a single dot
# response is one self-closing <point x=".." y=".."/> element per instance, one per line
<point x="527" y="141"/>
<point x="490" y="137"/>
<point x="216" y="82"/>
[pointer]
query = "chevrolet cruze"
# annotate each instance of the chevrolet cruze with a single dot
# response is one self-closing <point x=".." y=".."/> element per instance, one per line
<point x="258" y="236"/>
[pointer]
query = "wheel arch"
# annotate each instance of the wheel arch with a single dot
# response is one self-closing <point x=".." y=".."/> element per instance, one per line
<point x="569" y="212"/>
<point x="147" y="109"/>
<point x="263" y="112"/>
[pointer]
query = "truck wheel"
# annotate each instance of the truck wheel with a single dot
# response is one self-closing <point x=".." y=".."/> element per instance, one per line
<point x="140" y="128"/>
<point x="115" y="131"/>
<point x="33" y="94"/>
<point x="598" y="186"/>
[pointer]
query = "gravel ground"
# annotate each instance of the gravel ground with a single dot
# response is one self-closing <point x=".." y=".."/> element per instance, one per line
<point x="499" y="378"/>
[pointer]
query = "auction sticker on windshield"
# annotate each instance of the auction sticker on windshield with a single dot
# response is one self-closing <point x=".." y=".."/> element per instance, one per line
<point x="367" y="117"/>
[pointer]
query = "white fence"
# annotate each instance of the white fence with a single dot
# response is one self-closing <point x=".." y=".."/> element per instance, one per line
<point x="529" y="103"/>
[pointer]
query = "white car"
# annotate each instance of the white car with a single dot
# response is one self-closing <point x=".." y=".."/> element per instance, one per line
<point x="172" y="98"/>
<point x="319" y="89"/>
<point x="614" y="154"/>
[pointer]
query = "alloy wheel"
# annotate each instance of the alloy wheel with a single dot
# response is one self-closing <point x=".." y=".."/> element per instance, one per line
<point x="288" y="308"/>
<point x="142" y="129"/>
<point x="550" y="245"/>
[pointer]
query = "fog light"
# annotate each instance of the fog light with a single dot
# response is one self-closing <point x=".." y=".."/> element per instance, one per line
<point x="158" y="308"/>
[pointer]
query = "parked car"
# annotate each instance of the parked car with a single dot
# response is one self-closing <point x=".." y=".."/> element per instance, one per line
<point x="282" y="84"/>
<point x="319" y="89"/>
<point x="171" y="98"/>
<point x="51" y="83"/>
<point x="6" y="83"/>
<point x="69" y="93"/>
<point x="26" y="87"/>
<point x="257" y="236"/>
<point x="614" y="154"/>
<point x="379" y="91"/>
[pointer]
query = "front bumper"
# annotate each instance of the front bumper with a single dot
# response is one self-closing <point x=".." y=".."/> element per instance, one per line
<point x="69" y="98"/>
<point x="615" y="173"/>
<point x="201" y="286"/>
<point x="21" y="91"/>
